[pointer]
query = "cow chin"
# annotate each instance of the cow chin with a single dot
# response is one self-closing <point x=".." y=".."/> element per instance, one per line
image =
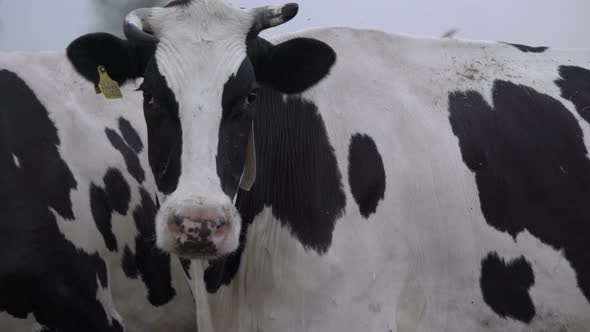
<point x="198" y="231"/>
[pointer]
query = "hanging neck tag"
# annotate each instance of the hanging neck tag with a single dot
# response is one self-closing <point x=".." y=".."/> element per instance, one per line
<point x="249" y="173"/>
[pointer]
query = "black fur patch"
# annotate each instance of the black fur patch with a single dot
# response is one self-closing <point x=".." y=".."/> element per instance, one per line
<point x="531" y="167"/>
<point x="117" y="191"/>
<point x="529" y="49"/>
<point x="131" y="158"/>
<point x="130" y="135"/>
<point x="163" y="129"/>
<point x="153" y="265"/>
<point x="505" y="287"/>
<point x="103" y="277"/>
<point x="102" y="213"/>
<point x="298" y="176"/>
<point x="234" y="128"/>
<point x="103" y="202"/>
<point x="121" y="59"/>
<point x="575" y="86"/>
<point x="129" y="265"/>
<point x="223" y="270"/>
<point x="366" y="174"/>
<point x="186" y="267"/>
<point x="293" y="66"/>
<point x="41" y="272"/>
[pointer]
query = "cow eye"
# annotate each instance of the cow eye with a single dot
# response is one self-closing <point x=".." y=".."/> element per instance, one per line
<point x="251" y="98"/>
<point x="148" y="98"/>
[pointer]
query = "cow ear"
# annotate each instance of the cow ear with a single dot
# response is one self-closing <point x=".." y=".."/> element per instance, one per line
<point x="121" y="59"/>
<point x="295" y="65"/>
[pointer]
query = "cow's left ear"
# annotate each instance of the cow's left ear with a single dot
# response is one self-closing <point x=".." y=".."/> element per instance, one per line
<point x="122" y="59"/>
<point x="295" y="65"/>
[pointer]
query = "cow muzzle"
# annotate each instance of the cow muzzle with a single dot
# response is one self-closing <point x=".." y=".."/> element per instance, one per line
<point x="202" y="233"/>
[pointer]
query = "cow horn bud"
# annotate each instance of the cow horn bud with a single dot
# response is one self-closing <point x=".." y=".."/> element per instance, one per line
<point x="272" y="16"/>
<point x="134" y="27"/>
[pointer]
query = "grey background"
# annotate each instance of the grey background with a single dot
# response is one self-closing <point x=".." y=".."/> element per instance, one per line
<point x="52" y="24"/>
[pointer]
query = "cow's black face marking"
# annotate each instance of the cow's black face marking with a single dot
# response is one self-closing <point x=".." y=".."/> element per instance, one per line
<point x="163" y="128"/>
<point x="530" y="165"/>
<point x="366" y="174"/>
<point x="238" y="104"/>
<point x="529" y="49"/>
<point x="298" y="176"/>
<point x="153" y="265"/>
<point x="505" y="287"/>
<point x="575" y="86"/>
<point x="130" y="135"/>
<point x="41" y="272"/>
<point x="130" y="156"/>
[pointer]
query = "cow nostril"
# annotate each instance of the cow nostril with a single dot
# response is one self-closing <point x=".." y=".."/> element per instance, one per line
<point x="178" y="220"/>
<point x="220" y="223"/>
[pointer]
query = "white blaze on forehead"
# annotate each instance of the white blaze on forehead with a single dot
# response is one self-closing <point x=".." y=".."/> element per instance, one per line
<point x="200" y="45"/>
<point x="200" y="49"/>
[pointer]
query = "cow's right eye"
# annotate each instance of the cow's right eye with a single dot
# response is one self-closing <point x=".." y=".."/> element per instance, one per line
<point x="148" y="98"/>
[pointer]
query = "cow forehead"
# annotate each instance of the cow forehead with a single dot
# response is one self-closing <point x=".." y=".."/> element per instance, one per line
<point x="200" y="20"/>
<point x="196" y="75"/>
<point x="199" y="53"/>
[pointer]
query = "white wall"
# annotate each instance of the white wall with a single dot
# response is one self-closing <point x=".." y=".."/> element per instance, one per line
<point x="52" y="24"/>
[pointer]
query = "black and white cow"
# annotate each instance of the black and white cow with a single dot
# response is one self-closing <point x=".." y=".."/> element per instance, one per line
<point x="402" y="184"/>
<point x="77" y="211"/>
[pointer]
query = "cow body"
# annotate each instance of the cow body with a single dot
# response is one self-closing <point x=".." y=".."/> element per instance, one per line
<point x="400" y="184"/>
<point x="456" y="200"/>
<point x="78" y="207"/>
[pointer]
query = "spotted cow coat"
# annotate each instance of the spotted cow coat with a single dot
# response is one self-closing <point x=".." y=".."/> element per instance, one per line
<point x="402" y="184"/>
<point x="422" y="185"/>
<point x="78" y="201"/>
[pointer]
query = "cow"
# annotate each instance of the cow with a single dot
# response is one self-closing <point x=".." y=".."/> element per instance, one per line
<point x="78" y="205"/>
<point x="340" y="179"/>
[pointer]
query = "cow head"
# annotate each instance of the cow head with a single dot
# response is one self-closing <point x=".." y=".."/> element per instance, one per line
<point x="202" y="63"/>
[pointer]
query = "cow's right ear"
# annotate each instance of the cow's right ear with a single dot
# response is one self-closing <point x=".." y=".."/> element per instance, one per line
<point x="121" y="59"/>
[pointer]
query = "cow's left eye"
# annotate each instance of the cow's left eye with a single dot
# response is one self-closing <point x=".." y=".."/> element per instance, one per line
<point x="251" y="98"/>
<point x="148" y="98"/>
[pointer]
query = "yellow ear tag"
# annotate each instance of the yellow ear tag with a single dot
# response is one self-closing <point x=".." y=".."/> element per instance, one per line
<point x="107" y="86"/>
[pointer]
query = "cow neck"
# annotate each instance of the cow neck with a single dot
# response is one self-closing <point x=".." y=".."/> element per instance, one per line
<point x="298" y="179"/>
<point x="298" y="175"/>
